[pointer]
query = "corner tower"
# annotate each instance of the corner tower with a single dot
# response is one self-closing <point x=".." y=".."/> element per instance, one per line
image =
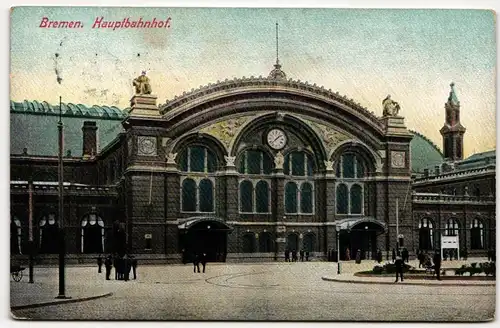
<point x="452" y="131"/>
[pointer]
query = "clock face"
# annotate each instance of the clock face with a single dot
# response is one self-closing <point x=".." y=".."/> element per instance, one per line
<point x="276" y="139"/>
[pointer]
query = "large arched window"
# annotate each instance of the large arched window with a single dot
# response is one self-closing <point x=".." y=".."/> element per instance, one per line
<point x="189" y="195"/>
<point x="477" y="234"/>
<point x="256" y="167"/>
<point x="49" y="234"/>
<point x="451" y="228"/>
<point x="309" y="242"/>
<point x="266" y="244"/>
<point x="426" y="234"/>
<point x="15" y="236"/>
<point x="92" y="234"/>
<point x="350" y="172"/>
<point x="299" y="189"/>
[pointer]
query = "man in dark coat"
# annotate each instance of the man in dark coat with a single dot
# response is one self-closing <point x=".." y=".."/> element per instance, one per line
<point x="399" y="268"/>
<point x="134" y="266"/>
<point x="437" y="264"/>
<point x="379" y="256"/>
<point x="294" y="255"/>
<point x="287" y="255"/>
<point x="196" y="262"/>
<point x="307" y="255"/>
<point x="203" y="261"/>
<point x="108" y="263"/>
<point x="302" y="255"/>
<point x="405" y="255"/>
<point x="99" y="263"/>
<point x="126" y="267"/>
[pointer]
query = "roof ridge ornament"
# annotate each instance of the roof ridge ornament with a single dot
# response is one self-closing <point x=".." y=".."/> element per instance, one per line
<point x="453" y="96"/>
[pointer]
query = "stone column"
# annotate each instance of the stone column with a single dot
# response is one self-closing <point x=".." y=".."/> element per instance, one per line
<point x="278" y="204"/>
<point x="172" y="204"/>
<point x="330" y="207"/>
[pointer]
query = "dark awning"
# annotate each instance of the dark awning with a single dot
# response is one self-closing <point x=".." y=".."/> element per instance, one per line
<point x="209" y="223"/>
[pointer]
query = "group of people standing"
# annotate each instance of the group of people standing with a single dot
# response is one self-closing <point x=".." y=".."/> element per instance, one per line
<point x="294" y="258"/>
<point x="122" y="264"/>
<point x="197" y="259"/>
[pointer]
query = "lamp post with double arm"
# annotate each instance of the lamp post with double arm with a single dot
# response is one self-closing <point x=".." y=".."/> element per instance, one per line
<point x="337" y="228"/>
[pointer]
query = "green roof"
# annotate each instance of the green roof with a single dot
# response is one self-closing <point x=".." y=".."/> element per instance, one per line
<point x="78" y="110"/>
<point x="477" y="160"/>
<point x="33" y="125"/>
<point x="424" y="153"/>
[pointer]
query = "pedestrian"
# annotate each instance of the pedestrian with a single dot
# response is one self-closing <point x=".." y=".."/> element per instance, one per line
<point x="393" y="255"/>
<point x="126" y="267"/>
<point x="134" y="267"/>
<point x="347" y="254"/>
<point x="196" y="262"/>
<point x="108" y="263"/>
<point x="406" y="255"/>
<point x="420" y="257"/>
<point x="399" y="268"/>
<point x="302" y="255"/>
<point x="294" y="255"/>
<point x="287" y="255"/>
<point x="437" y="264"/>
<point x="99" y="263"/>
<point x="379" y="256"/>
<point x="307" y="256"/>
<point x="203" y="261"/>
<point x="358" y="256"/>
<point x="115" y="264"/>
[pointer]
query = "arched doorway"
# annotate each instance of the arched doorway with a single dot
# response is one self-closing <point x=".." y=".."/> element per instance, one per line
<point x="49" y="235"/>
<point x="92" y="234"/>
<point x="15" y="236"/>
<point x="204" y="235"/>
<point x="359" y="235"/>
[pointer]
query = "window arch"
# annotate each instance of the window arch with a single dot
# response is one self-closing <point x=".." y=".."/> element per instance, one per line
<point x="266" y="244"/>
<point x="249" y="243"/>
<point x="306" y="196"/>
<point x="15" y="236"/>
<point x="350" y="172"/>
<point x="49" y="234"/>
<point x="246" y="196"/>
<point x="298" y="163"/>
<point x="451" y="228"/>
<point x="309" y="242"/>
<point x="342" y="199"/>
<point x="426" y="234"/>
<point x="197" y="194"/>
<point x="477" y="234"/>
<point x="92" y="234"/>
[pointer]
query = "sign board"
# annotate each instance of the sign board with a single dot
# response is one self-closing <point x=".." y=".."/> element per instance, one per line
<point x="450" y="242"/>
<point x="280" y="240"/>
<point x="280" y="229"/>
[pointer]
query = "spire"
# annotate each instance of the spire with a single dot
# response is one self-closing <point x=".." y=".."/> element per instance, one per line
<point x="453" y="96"/>
<point x="277" y="73"/>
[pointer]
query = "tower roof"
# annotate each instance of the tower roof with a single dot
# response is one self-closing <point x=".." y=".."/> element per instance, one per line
<point x="453" y="95"/>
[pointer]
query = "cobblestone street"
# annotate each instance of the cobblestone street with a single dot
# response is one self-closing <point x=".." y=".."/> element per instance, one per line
<point x="274" y="291"/>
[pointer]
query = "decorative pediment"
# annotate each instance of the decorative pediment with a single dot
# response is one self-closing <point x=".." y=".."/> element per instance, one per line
<point x="329" y="136"/>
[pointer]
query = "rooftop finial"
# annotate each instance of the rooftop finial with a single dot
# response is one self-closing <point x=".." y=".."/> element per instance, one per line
<point x="453" y="96"/>
<point x="277" y="73"/>
<point x="277" y="56"/>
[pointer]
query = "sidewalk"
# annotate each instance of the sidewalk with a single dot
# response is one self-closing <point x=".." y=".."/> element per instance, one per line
<point x="26" y="295"/>
<point x="351" y="278"/>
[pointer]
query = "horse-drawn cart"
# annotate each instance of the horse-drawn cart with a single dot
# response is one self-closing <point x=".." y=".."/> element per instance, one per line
<point x="16" y="272"/>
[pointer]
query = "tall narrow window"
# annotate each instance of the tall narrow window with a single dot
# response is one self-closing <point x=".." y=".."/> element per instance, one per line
<point x="291" y="197"/>
<point x="356" y="199"/>
<point x="189" y="195"/>
<point x="426" y="232"/>
<point x="342" y="199"/>
<point x="206" y="196"/>
<point x="477" y="235"/>
<point x="306" y="205"/>
<point x="262" y="197"/>
<point x="246" y="196"/>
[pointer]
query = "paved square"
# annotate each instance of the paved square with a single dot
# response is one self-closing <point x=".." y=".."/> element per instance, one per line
<point x="268" y="291"/>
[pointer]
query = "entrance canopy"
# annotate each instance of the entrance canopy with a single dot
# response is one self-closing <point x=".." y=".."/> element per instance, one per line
<point x="360" y="223"/>
<point x="205" y="223"/>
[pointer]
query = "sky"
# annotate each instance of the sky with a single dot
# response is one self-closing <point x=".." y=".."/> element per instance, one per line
<point x="365" y="54"/>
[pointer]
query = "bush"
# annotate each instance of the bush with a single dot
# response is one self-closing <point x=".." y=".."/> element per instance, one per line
<point x="391" y="268"/>
<point x="378" y="269"/>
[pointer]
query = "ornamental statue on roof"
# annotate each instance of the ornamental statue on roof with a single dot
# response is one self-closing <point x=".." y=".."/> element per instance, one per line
<point x="142" y="85"/>
<point x="391" y="108"/>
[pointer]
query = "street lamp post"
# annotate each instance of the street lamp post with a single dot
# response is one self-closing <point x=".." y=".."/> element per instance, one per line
<point x="62" y="247"/>
<point x="337" y="228"/>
